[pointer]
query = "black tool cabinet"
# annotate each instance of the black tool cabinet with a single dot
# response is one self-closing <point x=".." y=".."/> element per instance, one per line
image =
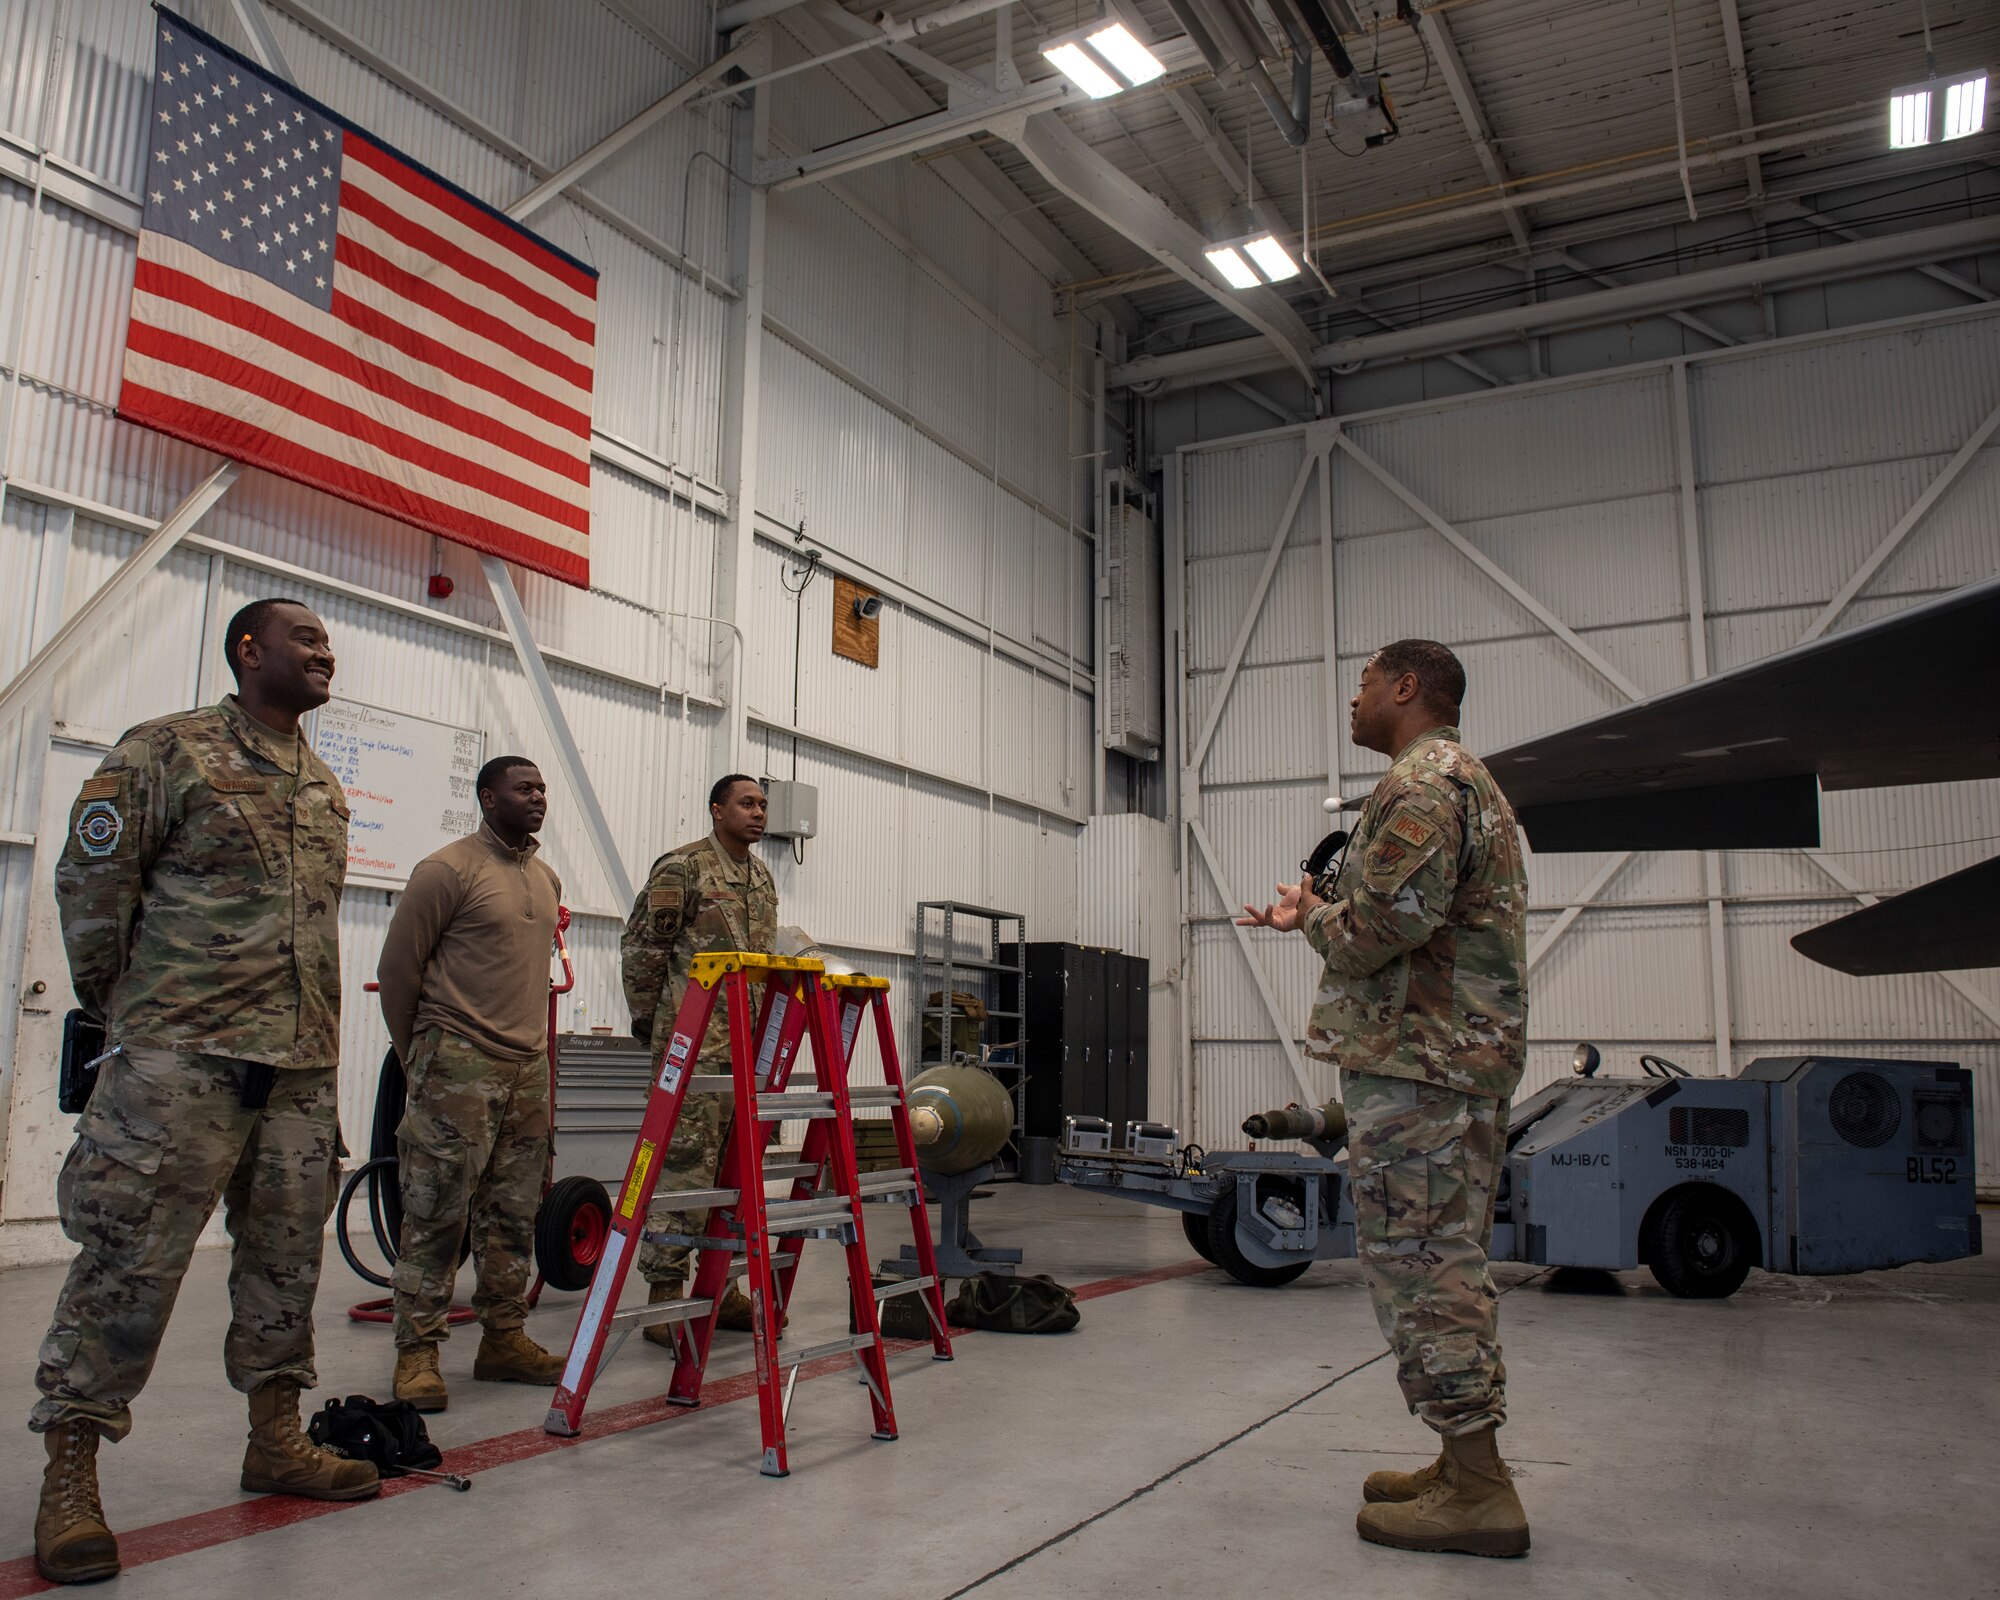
<point x="1087" y="1044"/>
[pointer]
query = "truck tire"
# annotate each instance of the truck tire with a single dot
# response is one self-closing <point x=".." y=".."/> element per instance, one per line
<point x="1224" y="1252"/>
<point x="1195" y="1226"/>
<point x="1699" y="1245"/>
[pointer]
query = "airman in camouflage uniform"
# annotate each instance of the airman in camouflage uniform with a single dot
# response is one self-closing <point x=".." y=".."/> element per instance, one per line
<point x="463" y="978"/>
<point x="1423" y="1007"/>
<point x="703" y="896"/>
<point x="199" y="892"/>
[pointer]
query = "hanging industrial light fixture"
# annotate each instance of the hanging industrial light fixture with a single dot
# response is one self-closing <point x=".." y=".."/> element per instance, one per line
<point x="1252" y="262"/>
<point x="1104" y="58"/>
<point x="1938" y="109"/>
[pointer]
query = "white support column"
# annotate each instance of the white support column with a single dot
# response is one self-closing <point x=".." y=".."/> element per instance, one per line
<point x="1279" y="1027"/>
<point x="1905" y="525"/>
<point x="45" y="663"/>
<point x="1720" y="1014"/>
<point x="1312" y="458"/>
<point x="742" y="399"/>
<point x="570" y="759"/>
<point x="1464" y="547"/>
<point x="1329" y="621"/>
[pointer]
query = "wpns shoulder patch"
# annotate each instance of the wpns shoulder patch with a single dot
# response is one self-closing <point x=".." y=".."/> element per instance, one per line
<point x="1413" y="831"/>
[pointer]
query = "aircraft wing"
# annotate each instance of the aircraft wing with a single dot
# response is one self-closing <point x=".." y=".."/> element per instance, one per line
<point x="1738" y="760"/>
<point x="1949" y="924"/>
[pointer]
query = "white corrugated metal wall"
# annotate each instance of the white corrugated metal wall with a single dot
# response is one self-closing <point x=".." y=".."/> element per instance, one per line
<point x="1804" y="455"/>
<point x="917" y="417"/>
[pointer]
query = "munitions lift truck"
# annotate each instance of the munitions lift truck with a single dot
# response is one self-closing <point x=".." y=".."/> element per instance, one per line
<point x="1798" y="1164"/>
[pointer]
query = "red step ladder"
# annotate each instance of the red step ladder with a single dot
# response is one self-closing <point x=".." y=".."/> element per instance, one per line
<point x="798" y="1003"/>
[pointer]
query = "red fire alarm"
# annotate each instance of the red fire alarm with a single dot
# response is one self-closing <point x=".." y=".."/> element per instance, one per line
<point x="441" y="586"/>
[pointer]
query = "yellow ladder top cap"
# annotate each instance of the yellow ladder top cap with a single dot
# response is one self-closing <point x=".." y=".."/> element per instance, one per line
<point x="708" y="968"/>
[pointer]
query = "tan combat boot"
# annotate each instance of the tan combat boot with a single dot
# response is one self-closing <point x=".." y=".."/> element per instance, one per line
<point x="72" y="1544"/>
<point x="508" y="1355"/>
<point x="735" y="1314"/>
<point x="282" y="1460"/>
<point x="1400" y="1486"/>
<point x="1470" y="1507"/>
<point x="661" y="1333"/>
<point x="418" y="1379"/>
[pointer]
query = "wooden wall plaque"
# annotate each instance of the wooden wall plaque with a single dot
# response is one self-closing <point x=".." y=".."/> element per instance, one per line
<point x="855" y="637"/>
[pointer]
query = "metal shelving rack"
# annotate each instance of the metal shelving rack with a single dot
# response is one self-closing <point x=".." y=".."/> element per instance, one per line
<point x="999" y="976"/>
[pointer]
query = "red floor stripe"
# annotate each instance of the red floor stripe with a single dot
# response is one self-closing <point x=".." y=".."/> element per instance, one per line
<point x="205" y="1529"/>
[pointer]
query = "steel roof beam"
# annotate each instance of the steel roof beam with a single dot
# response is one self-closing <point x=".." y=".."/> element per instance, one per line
<point x="1444" y="50"/>
<point x="1100" y="188"/>
<point x="970" y="174"/>
<point x="1739" y="83"/>
<point x="1965" y="286"/>
<point x="1239" y="358"/>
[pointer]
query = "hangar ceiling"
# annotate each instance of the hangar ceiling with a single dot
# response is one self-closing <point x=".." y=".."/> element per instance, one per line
<point x="1549" y="140"/>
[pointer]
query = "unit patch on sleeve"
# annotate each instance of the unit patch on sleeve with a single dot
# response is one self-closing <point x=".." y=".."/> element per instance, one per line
<point x="99" y="827"/>
<point x="1413" y="831"/>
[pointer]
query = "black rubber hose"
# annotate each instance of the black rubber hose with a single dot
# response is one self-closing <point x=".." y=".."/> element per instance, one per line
<point x="373" y="1173"/>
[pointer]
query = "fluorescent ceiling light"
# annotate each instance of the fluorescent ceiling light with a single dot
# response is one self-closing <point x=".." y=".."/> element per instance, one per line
<point x="1909" y="119"/>
<point x="1272" y="259"/>
<point x="1133" y="60"/>
<point x="1232" y="266"/>
<point x="1965" y="107"/>
<point x="1076" y="65"/>
<point x="1942" y="109"/>
<point x="1269" y="261"/>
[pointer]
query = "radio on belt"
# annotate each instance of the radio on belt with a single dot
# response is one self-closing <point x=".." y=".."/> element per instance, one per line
<point x="793" y="811"/>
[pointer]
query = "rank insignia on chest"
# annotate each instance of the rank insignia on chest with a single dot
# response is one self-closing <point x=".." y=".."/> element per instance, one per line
<point x="1410" y="830"/>
<point x="99" y="827"/>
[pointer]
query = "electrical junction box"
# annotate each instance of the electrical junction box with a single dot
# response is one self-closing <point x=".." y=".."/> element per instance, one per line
<point x="793" y="809"/>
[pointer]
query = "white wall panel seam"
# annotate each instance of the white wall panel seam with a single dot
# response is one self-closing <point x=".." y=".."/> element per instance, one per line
<point x="911" y="420"/>
<point x="985" y="313"/>
<point x="257" y="562"/>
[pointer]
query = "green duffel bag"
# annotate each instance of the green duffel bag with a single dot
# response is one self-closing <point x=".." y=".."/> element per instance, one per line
<point x="1013" y="1305"/>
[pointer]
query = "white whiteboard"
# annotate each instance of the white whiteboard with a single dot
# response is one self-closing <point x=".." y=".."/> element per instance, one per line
<point x="409" y="785"/>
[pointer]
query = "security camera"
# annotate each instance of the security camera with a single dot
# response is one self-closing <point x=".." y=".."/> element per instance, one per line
<point x="868" y="606"/>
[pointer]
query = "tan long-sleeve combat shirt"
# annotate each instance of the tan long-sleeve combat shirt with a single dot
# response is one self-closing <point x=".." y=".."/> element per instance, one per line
<point x="468" y="948"/>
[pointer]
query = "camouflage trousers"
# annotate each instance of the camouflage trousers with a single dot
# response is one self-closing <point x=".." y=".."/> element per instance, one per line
<point x="694" y="1158"/>
<point x="164" y="1136"/>
<point x="473" y="1147"/>
<point x="1424" y="1162"/>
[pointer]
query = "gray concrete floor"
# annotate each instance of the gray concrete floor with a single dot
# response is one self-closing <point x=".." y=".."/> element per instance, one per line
<point x="1810" y="1437"/>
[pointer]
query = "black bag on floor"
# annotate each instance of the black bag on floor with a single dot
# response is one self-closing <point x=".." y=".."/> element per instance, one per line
<point x="391" y="1435"/>
<point x="1035" y="1304"/>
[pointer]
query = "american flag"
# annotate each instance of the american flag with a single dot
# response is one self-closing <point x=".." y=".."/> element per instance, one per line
<point x="310" y="302"/>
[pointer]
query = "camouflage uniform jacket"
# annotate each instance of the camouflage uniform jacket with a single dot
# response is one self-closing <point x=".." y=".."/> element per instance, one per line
<point x="696" y="898"/>
<point x="199" y="891"/>
<point x="1425" y="939"/>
